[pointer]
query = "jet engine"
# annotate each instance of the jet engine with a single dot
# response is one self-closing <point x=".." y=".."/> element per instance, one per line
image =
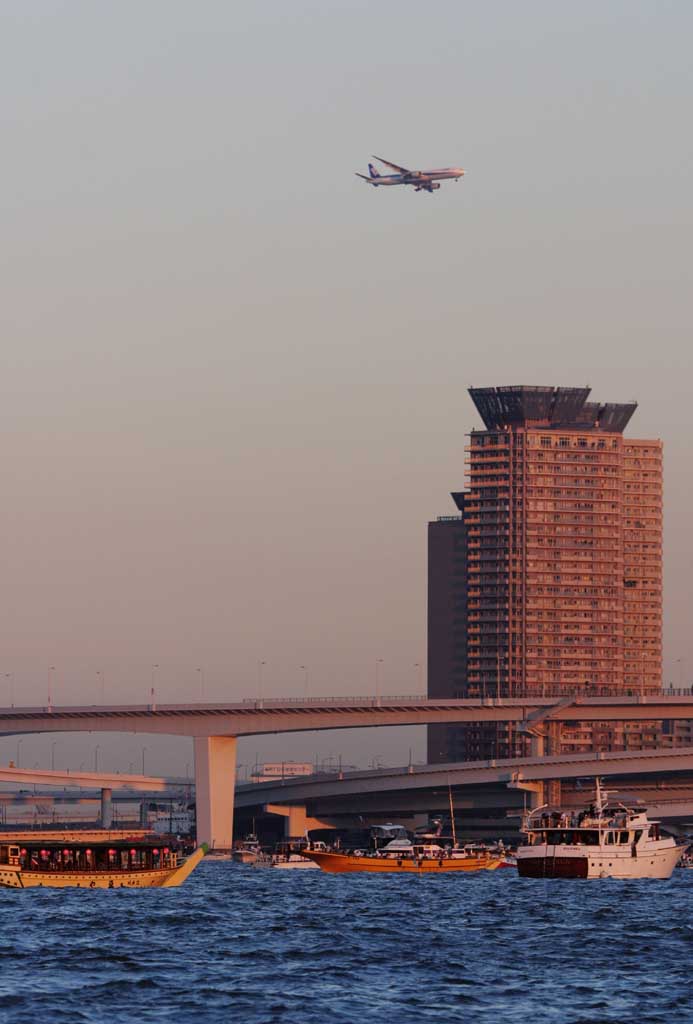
<point x="428" y="187"/>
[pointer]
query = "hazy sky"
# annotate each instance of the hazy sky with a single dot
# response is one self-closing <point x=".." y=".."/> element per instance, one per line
<point x="234" y="376"/>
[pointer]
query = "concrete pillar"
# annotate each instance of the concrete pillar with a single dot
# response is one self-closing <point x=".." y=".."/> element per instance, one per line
<point x="215" y="781"/>
<point x="106" y="808"/>
<point x="296" y="820"/>
<point x="553" y="789"/>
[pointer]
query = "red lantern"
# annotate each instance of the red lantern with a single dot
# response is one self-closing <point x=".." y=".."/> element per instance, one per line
<point x="133" y="852"/>
<point x="155" y="851"/>
<point x="23" y="852"/>
<point x="111" y="853"/>
<point x="87" y="851"/>
<point x="66" y="852"/>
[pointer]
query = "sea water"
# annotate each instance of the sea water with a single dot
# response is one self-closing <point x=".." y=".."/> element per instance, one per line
<point x="236" y="944"/>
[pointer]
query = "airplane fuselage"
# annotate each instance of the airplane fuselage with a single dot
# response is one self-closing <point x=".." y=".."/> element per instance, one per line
<point x="421" y="181"/>
<point x="418" y="177"/>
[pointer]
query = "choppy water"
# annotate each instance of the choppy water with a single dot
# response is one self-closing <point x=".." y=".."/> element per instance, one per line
<point x="243" y="945"/>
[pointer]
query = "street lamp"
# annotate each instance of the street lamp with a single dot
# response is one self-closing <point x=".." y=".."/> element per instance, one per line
<point x="201" y="675"/>
<point x="305" y="680"/>
<point x="19" y="743"/>
<point x="154" y="668"/>
<point x="418" y="667"/>
<point x="642" y="674"/>
<point x="51" y="670"/>
<point x="100" y="679"/>
<point x="679" y="662"/>
<point x="378" y="663"/>
<point x="260" y="667"/>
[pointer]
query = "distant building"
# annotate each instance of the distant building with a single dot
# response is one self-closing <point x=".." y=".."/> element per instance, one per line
<point x="549" y="579"/>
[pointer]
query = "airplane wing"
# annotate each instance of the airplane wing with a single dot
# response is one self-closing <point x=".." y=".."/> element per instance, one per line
<point x="371" y="181"/>
<point x="395" y="167"/>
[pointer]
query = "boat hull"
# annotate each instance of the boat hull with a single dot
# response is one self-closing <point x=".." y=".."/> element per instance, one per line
<point x="12" y="877"/>
<point x="558" y="862"/>
<point x="340" y="863"/>
<point x="244" y="857"/>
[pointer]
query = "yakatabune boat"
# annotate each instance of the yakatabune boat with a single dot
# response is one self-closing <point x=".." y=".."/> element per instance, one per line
<point x="409" y="858"/>
<point x="613" y="838"/>
<point x="91" y="861"/>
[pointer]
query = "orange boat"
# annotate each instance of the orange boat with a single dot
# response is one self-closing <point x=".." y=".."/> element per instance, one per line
<point x="414" y="859"/>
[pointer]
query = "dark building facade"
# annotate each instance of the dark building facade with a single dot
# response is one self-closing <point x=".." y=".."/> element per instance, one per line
<point x="549" y="580"/>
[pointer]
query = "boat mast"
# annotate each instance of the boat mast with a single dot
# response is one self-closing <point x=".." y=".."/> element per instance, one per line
<point x="452" y="814"/>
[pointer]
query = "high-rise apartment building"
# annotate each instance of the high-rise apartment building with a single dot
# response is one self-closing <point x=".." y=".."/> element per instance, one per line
<point x="549" y="580"/>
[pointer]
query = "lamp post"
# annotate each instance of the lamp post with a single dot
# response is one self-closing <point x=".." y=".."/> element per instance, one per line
<point x="19" y="743"/>
<point x="100" y="681"/>
<point x="679" y="662"/>
<point x="51" y="670"/>
<point x="305" y="680"/>
<point x="153" y="692"/>
<point x="201" y="679"/>
<point x="378" y="663"/>
<point x="260" y="667"/>
<point x="419" y="673"/>
<point x="642" y="674"/>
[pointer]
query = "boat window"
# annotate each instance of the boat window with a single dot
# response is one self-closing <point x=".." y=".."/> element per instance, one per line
<point x="623" y="837"/>
<point x="610" y="838"/>
<point x="589" y="837"/>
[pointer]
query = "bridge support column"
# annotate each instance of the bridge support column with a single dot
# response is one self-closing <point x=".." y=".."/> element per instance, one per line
<point x="535" y="790"/>
<point x="106" y="808"/>
<point x="296" y="821"/>
<point x="215" y="780"/>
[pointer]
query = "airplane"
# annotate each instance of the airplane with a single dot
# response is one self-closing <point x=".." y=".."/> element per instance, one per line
<point x="422" y="181"/>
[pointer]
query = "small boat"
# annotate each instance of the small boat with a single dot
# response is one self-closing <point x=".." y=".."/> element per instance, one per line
<point x="402" y="856"/>
<point x="613" y="838"/>
<point x="285" y="861"/>
<point x="92" y="861"/>
<point x="248" y="851"/>
<point x="287" y="856"/>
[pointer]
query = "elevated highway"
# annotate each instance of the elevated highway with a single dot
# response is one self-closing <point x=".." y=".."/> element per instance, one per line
<point x="664" y="778"/>
<point x="215" y="727"/>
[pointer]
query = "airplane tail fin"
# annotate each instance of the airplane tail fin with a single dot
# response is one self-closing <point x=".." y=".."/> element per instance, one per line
<point x="373" y="172"/>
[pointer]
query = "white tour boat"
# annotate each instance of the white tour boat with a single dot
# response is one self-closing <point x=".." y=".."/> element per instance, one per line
<point x="613" y="838"/>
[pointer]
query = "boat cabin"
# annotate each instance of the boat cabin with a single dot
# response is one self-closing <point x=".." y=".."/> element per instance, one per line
<point x="118" y="856"/>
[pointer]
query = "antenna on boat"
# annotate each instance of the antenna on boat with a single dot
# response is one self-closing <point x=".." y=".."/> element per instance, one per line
<point x="452" y="814"/>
